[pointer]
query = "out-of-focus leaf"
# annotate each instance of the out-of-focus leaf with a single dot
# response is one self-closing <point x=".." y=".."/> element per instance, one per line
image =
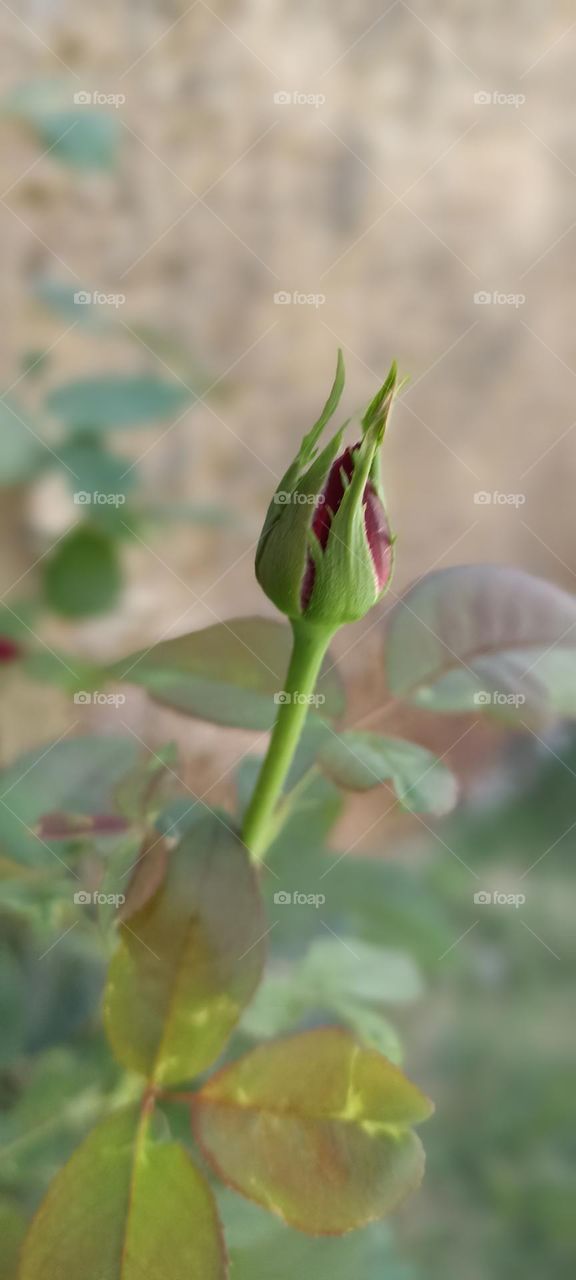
<point x="484" y="638"/>
<point x="83" y="575"/>
<point x="75" y="773"/>
<point x="76" y="132"/>
<point x="328" y="983"/>
<point x="139" y="795"/>
<point x="116" y="400"/>
<point x="100" y="480"/>
<point x="263" y="1249"/>
<point x="12" y="1007"/>
<point x="125" y="1207"/>
<point x="21" y="452"/>
<point x="12" y="1231"/>
<point x="189" y="961"/>
<point x="61" y="298"/>
<point x="316" y="1129"/>
<point x="348" y="967"/>
<point x="67" y="1091"/>
<point x="228" y="673"/>
<point x="361" y="761"/>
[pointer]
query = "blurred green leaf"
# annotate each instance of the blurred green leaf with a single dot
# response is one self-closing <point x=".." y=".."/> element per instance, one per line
<point x="13" y="1226"/>
<point x="65" y="1090"/>
<point x="62" y="299"/>
<point x="228" y="673"/>
<point x="325" y="983"/>
<point x="316" y="1129"/>
<point x="123" y="1208"/>
<point x="361" y="761"/>
<point x="77" y="134"/>
<point x="262" y="1249"/>
<point x="484" y="638"/>
<point x="189" y="960"/>
<point x="116" y="400"/>
<point x="74" y="774"/>
<point x="139" y="796"/>
<point x="348" y="967"/>
<point x="83" y="575"/>
<point x="22" y="454"/>
<point x="12" y="1008"/>
<point x="99" y="479"/>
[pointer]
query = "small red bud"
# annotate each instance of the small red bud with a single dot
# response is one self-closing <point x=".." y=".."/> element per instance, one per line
<point x="375" y="522"/>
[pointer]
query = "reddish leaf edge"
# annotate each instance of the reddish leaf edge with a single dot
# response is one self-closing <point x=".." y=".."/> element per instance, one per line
<point x="195" y="1102"/>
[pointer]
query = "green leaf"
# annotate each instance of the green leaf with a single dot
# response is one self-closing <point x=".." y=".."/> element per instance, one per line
<point x="61" y="298"/>
<point x="116" y="400"/>
<point x="485" y="638"/>
<point x="263" y="1249"/>
<point x="348" y="967"/>
<point x="83" y="575"/>
<point x="75" y="774"/>
<point x="316" y="1129"/>
<point x="124" y="1208"/>
<point x="339" y="978"/>
<point x="76" y="134"/>
<point x="99" y="479"/>
<point x="22" y="454"/>
<point x="140" y="794"/>
<point x="189" y="961"/>
<point x="12" y="1231"/>
<point x="361" y="761"/>
<point x="228" y="673"/>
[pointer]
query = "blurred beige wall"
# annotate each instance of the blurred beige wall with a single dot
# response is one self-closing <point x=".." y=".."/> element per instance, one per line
<point x="433" y="159"/>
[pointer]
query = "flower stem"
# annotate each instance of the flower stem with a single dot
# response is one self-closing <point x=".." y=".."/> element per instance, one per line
<point x="310" y="645"/>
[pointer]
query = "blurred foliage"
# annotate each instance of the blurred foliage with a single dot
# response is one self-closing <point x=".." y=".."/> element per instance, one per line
<point x="493" y="1039"/>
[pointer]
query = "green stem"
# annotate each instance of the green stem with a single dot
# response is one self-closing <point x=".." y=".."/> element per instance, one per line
<point x="310" y="645"/>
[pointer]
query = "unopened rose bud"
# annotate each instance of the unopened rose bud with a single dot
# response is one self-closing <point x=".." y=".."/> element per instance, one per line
<point x="325" y="552"/>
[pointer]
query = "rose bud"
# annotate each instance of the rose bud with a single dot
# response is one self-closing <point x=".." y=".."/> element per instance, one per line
<point x="325" y="552"/>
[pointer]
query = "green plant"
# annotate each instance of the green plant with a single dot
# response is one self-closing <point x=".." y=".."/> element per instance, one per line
<point x="316" y="1126"/>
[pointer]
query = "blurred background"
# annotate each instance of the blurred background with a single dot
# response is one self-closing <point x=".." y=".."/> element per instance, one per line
<point x="199" y="203"/>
